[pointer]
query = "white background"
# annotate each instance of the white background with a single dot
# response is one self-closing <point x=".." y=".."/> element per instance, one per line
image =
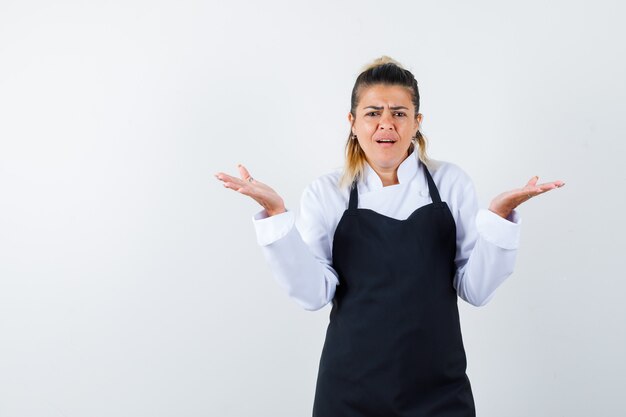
<point x="130" y="279"/>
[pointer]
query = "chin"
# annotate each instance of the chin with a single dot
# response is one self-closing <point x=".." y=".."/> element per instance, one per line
<point x="389" y="162"/>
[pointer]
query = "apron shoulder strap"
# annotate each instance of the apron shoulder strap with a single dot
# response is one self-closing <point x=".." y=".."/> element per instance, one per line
<point x="432" y="188"/>
<point x="354" y="198"/>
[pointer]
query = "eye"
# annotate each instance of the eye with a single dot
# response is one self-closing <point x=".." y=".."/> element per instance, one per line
<point x="372" y="113"/>
<point x="401" y="114"/>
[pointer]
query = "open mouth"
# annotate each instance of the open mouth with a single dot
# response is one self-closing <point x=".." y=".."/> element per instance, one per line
<point x="387" y="142"/>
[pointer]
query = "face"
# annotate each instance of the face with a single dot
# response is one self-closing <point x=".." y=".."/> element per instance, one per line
<point x="384" y="124"/>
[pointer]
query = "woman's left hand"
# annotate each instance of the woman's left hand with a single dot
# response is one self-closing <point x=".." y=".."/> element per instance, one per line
<point x="504" y="203"/>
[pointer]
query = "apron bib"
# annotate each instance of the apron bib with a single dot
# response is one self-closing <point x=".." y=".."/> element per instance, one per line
<point x="393" y="345"/>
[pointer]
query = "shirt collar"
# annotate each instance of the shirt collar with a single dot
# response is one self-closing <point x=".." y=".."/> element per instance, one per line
<point x="406" y="172"/>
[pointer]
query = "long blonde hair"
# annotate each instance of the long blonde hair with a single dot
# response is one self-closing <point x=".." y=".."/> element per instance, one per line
<point x="386" y="71"/>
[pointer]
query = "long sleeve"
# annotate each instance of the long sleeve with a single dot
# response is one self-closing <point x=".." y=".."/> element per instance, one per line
<point x="486" y="248"/>
<point x="298" y="249"/>
<point x="299" y="255"/>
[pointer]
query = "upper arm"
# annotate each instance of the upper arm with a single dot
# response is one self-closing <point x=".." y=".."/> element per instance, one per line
<point x="463" y="203"/>
<point x="314" y="227"/>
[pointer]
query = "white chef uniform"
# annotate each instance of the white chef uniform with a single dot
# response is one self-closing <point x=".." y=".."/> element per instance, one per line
<point x="299" y="250"/>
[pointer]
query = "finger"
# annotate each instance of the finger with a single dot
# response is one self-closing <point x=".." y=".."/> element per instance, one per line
<point x="546" y="187"/>
<point x="529" y="192"/>
<point x="245" y="175"/>
<point x="550" y="185"/>
<point x="524" y="194"/>
<point x="533" y="181"/>
<point x="233" y="180"/>
<point x="225" y="177"/>
<point x="243" y="189"/>
<point x="232" y="185"/>
<point x="532" y="188"/>
<point x="556" y="184"/>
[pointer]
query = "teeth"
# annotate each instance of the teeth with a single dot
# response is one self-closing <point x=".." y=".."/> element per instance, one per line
<point x="385" y="140"/>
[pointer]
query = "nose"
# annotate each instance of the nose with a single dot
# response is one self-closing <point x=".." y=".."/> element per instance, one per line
<point x="386" y="121"/>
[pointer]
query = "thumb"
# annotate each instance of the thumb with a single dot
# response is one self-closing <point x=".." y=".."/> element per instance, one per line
<point x="243" y="172"/>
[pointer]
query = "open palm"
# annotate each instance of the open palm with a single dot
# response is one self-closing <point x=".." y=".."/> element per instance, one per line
<point x="261" y="193"/>
<point x="504" y="203"/>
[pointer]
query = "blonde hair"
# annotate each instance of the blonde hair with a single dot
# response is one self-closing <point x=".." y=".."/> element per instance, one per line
<point x="387" y="71"/>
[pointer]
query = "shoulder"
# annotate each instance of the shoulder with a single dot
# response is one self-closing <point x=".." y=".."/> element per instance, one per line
<point x="321" y="204"/>
<point x="325" y="185"/>
<point x="455" y="187"/>
<point x="448" y="174"/>
<point x="454" y="184"/>
<point x="325" y="190"/>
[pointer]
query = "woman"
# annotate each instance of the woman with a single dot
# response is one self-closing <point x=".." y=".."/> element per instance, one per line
<point x="391" y="240"/>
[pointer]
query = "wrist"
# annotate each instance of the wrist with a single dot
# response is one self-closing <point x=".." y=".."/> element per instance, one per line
<point x="274" y="212"/>
<point x="500" y="209"/>
<point x="501" y="213"/>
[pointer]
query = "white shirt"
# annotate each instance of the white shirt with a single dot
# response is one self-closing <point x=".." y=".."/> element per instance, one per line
<point x="299" y="251"/>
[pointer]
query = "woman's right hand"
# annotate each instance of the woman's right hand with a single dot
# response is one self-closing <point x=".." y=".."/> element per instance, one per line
<point x="261" y="193"/>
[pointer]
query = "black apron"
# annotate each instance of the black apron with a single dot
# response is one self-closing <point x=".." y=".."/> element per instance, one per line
<point x="393" y="346"/>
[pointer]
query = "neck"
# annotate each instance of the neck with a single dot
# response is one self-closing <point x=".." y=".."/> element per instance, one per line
<point x="387" y="176"/>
